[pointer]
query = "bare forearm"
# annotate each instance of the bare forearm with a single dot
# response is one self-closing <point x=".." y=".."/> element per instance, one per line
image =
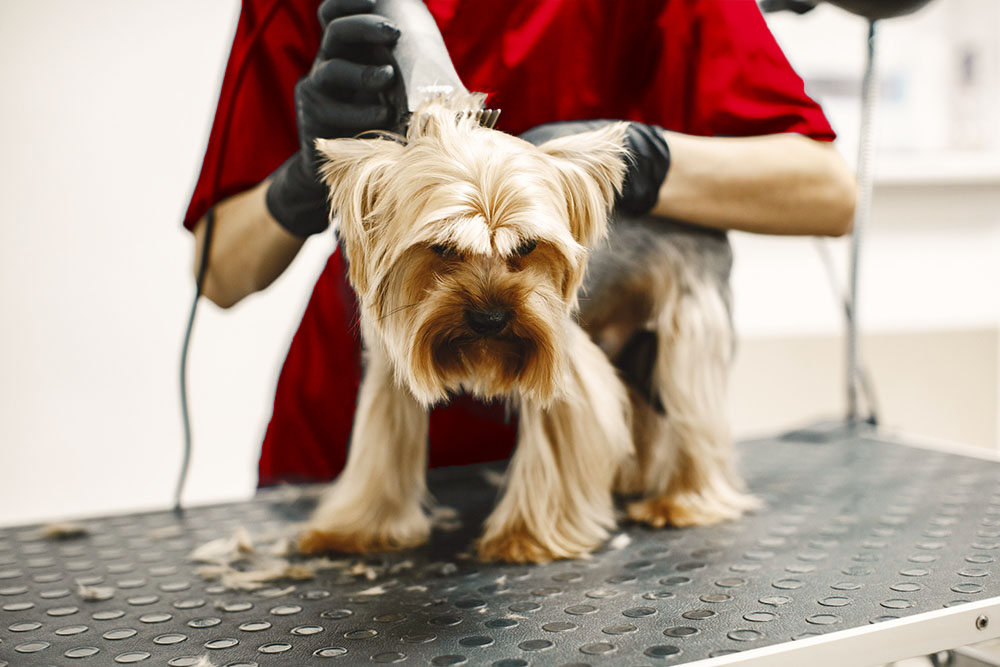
<point x="249" y="250"/>
<point x="775" y="184"/>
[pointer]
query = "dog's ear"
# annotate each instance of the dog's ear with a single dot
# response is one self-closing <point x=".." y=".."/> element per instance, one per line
<point x="591" y="167"/>
<point x="357" y="171"/>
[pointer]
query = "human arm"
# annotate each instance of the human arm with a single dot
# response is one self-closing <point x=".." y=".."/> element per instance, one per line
<point x="755" y="155"/>
<point x="259" y="230"/>
<point x="249" y="249"/>
<point x="773" y="184"/>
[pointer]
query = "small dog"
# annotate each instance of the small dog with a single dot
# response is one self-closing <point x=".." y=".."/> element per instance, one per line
<point x="468" y="248"/>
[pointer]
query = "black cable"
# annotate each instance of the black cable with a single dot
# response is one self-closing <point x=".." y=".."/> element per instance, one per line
<point x="185" y="415"/>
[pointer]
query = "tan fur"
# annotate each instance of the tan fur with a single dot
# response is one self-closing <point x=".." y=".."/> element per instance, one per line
<point x="688" y="463"/>
<point x="375" y="504"/>
<point x="436" y="225"/>
<point x="557" y="500"/>
<point x="684" y="460"/>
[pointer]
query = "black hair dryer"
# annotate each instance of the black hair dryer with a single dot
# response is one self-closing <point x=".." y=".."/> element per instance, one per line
<point x="872" y="10"/>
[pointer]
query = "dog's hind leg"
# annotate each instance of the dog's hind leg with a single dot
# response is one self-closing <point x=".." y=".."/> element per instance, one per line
<point x="557" y="499"/>
<point x="376" y="502"/>
<point x="685" y="453"/>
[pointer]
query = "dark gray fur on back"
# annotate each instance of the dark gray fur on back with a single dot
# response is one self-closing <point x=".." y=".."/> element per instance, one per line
<point x="637" y="244"/>
<point x="646" y="266"/>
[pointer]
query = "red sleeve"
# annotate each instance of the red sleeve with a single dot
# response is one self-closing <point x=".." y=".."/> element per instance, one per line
<point x="254" y="129"/>
<point x="737" y="80"/>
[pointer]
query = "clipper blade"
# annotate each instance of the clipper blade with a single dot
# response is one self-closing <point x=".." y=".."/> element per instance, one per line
<point x="486" y="117"/>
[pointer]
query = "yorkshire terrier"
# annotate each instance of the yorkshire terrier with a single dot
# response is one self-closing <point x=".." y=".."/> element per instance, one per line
<point x="468" y="249"/>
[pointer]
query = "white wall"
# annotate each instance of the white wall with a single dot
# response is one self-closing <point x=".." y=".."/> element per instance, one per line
<point x="106" y="108"/>
<point x="929" y="304"/>
<point x="936" y="219"/>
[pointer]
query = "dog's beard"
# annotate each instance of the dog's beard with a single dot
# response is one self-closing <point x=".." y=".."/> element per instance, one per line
<point x="524" y="358"/>
<point x="424" y="321"/>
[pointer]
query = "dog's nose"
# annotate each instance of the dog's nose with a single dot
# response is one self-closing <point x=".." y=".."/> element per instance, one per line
<point x="487" y="320"/>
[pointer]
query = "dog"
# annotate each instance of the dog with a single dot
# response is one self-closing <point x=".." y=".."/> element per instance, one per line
<point x="469" y="250"/>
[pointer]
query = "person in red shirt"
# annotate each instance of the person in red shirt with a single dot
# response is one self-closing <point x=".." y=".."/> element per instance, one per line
<point x="740" y="143"/>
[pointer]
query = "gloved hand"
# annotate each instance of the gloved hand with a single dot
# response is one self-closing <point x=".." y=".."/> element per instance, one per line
<point x="338" y="98"/>
<point x="648" y="164"/>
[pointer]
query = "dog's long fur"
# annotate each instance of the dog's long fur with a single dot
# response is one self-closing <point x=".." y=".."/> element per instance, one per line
<point x="457" y="222"/>
<point x="659" y="305"/>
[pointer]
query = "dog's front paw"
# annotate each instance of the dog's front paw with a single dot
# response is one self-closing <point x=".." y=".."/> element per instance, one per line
<point x="515" y="547"/>
<point x="316" y="539"/>
<point x="689" y="509"/>
<point x="313" y="541"/>
<point x="521" y="546"/>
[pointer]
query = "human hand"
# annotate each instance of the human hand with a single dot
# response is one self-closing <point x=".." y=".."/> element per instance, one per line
<point x="649" y="159"/>
<point x="339" y="97"/>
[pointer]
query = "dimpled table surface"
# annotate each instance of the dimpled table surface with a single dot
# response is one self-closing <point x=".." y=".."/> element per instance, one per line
<point x="853" y="533"/>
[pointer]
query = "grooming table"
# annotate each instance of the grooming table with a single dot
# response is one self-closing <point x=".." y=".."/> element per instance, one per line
<point x="867" y="551"/>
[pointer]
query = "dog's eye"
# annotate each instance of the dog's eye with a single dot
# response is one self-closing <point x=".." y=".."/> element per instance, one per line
<point x="526" y="247"/>
<point x="443" y="250"/>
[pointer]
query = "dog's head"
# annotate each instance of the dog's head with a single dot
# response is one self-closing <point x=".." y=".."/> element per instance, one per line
<point x="466" y="247"/>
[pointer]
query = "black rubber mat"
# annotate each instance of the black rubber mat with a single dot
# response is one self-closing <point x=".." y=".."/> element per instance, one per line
<point x="853" y="533"/>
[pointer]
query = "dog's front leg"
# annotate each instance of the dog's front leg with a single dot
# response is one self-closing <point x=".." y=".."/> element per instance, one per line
<point x="557" y="501"/>
<point x="375" y="503"/>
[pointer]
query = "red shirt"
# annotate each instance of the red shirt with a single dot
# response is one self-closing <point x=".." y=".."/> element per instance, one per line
<point x="702" y="67"/>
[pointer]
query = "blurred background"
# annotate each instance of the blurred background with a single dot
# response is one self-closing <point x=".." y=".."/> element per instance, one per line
<point x="107" y="107"/>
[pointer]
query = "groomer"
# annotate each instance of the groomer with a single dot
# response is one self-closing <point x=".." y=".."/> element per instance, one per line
<point x="725" y="137"/>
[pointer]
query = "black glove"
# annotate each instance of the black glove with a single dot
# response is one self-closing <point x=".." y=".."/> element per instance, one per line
<point x="648" y="163"/>
<point x="340" y="97"/>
